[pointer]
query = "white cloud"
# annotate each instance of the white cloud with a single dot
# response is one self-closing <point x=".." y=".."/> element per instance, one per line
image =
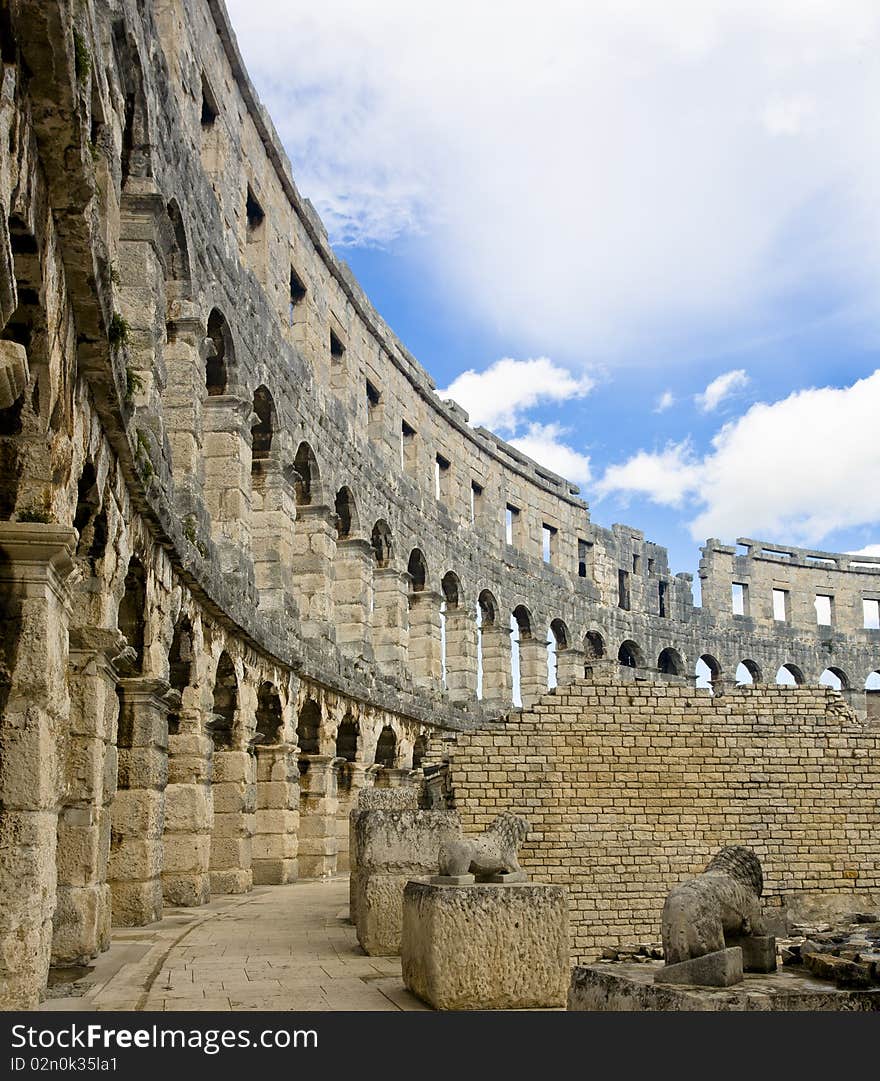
<point x="795" y="470"/>
<point x="664" y="402"/>
<point x="868" y="550"/>
<point x="600" y="179"/>
<point x="544" y="443"/>
<point x="498" y="396"/>
<point x="720" y="388"/>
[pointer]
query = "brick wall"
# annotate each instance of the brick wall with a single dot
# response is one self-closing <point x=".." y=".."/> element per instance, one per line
<point x="630" y="788"/>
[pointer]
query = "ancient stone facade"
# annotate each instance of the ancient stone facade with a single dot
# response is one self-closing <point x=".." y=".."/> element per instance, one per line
<point x="250" y="562"/>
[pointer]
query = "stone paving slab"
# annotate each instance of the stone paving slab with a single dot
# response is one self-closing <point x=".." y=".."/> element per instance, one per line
<point x="277" y="948"/>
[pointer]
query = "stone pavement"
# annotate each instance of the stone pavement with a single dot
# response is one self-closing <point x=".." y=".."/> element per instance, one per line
<point x="277" y="948"/>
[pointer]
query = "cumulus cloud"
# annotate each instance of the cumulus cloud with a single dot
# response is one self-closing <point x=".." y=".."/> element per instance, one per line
<point x="600" y="179"/>
<point x="498" y="396"/>
<point x="545" y="443"/>
<point x="664" y="402"/>
<point x="720" y="388"/>
<point x="795" y="469"/>
<point x="868" y="550"/>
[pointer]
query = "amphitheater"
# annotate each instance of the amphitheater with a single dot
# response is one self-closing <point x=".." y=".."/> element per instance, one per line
<point x="251" y="562"/>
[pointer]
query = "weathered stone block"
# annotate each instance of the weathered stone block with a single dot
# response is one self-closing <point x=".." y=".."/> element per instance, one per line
<point x="486" y="947"/>
<point x="722" y="968"/>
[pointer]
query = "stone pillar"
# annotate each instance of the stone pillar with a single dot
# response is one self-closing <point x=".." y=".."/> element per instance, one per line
<point x="314" y="550"/>
<point x="350" y="779"/>
<point x="35" y="561"/>
<point x="227" y="453"/>
<point x="137" y="816"/>
<point x="189" y="815"/>
<point x="273" y="510"/>
<point x="318" y="803"/>
<point x="83" y="909"/>
<point x="235" y="800"/>
<point x="424" y="638"/>
<point x="461" y="655"/>
<point x="352" y="596"/>
<point x="277" y="818"/>
<point x="532" y="670"/>
<point x="497" y="678"/>
<point x="185" y="358"/>
<point x="569" y="666"/>
<point x="390" y="619"/>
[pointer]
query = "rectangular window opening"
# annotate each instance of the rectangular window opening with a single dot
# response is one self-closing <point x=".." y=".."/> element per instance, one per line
<point x="210" y="110"/>
<point x="623" y="595"/>
<point x="637" y="564"/>
<point x="824" y="605"/>
<point x="297" y="295"/>
<point x="441" y="477"/>
<point x="407" y="447"/>
<point x="255" y="215"/>
<point x="780" y="605"/>
<point x="337" y="349"/>
<point x="548" y="543"/>
<point x="663" y="592"/>
<point x="740" y="599"/>
<point x="651" y="565"/>
<point x="584" y="555"/>
<point x="511" y="523"/>
<point x="476" y="500"/>
<point x="871" y="610"/>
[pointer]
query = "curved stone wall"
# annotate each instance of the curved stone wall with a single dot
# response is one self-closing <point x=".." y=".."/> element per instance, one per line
<point x="251" y="562"/>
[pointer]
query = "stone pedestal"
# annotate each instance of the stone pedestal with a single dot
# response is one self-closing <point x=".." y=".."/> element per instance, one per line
<point x="391" y="847"/>
<point x="234" y="791"/>
<point x="371" y="799"/>
<point x="317" y="815"/>
<point x="277" y="819"/>
<point x="138" y="810"/>
<point x="81" y="923"/>
<point x="35" y="609"/>
<point x="486" y="947"/>
<point x="189" y="818"/>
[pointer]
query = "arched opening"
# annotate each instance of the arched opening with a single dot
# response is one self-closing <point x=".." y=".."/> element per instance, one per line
<point x="789" y="675"/>
<point x="90" y="519"/>
<point x="136" y="155"/>
<point x="487" y="611"/>
<point x="417" y="568"/>
<point x="670" y="662"/>
<point x="451" y="590"/>
<point x="451" y="595"/>
<point x="520" y="631"/>
<point x="308" y="728"/>
<point x="557" y="640"/>
<point x="270" y="721"/>
<point x="177" y="266"/>
<point x="264" y="426"/>
<point x="420" y="749"/>
<point x="306" y="466"/>
<point x="707" y="670"/>
<point x="221" y="354"/>
<point x="132" y="609"/>
<point x="346" y="514"/>
<point x="347" y="739"/>
<point x="380" y="539"/>
<point x="180" y="659"/>
<point x="835" y="678"/>
<point x="386" y="748"/>
<point x="872" y="683"/>
<point x="629" y="655"/>
<point x="747" y="672"/>
<point x="225" y="703"/>
<point x="594" y="647"/>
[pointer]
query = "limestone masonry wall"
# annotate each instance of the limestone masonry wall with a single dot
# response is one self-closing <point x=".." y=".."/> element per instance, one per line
<point x="630" y="788"/>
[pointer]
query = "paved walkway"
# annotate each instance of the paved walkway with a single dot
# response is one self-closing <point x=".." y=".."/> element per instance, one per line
<point x="278" y="948"/>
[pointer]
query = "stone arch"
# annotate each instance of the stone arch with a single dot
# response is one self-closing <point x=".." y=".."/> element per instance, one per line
<point x="131" y="618"/>
<point x="751" y="669"/>
<point x="180" y="661"/>
<point x="347" y="522"/>
<point x="270" y="716"/>
<point x="560" y="634"/>
<point x="420" y="749"/>
<point x="670" y="662"/>
<point x="523" y="620"/>
<point x="558" y="640"/>
<point x="308" y="728"/>
<point x="451" y="587"/>
<point x="263" y="427"/>
<point x="347" y="737"/>
<point x="178" y="275"/>
<point x="872" y="680"/>
<point x="789" y="674"/>
<point x="90" y="517"/>
<point x="308" y="478"/>
<point x="836" y="678"/>
<point x="488" y="608"/>
<point x="386" y="748"/>
<point x="382" y="544"/>
<point x="225" y="703"/>
<point x="594" y="646"/>
<point x="221" y="354"/>
<point x="417" y="568"/>
<point x="707" y="671"/>
<point x="630" y="655"/>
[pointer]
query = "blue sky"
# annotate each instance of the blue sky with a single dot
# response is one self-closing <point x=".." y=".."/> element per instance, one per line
<point x="651" y="236"/>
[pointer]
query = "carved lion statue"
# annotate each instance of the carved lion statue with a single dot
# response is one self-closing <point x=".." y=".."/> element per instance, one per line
<point x="725" y="900"/>
<point x="493" y="852"/>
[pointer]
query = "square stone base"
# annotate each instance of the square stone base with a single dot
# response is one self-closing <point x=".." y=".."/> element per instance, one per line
<point x="486" y="947"/>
